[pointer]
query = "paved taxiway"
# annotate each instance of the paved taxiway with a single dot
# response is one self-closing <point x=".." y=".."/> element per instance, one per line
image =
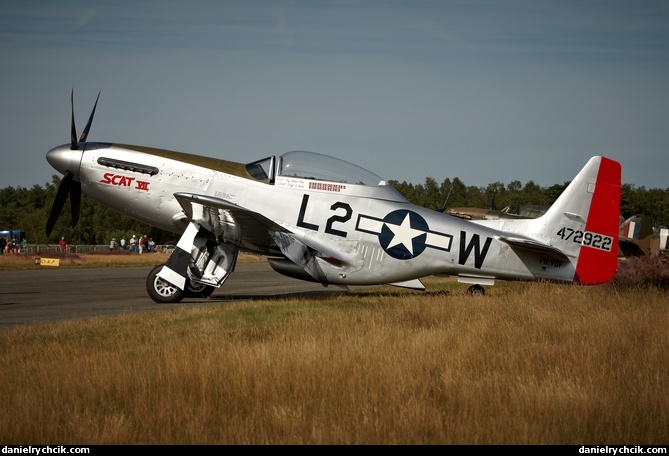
<point x="51" y="294"/>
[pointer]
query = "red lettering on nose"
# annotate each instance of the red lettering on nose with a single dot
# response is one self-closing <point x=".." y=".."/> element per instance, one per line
<point x="106" y="178"/>
<point x="123" y="181"/>
<point x="142" y="185"/>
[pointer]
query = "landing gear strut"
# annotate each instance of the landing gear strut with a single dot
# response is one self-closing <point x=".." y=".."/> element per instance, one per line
<point x="198" y="290"/>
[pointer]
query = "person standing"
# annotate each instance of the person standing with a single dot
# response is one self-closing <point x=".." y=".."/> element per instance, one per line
<point x="113" y="244"/>
<point x="133" y="244"/>
<point x="123" y="246"/>
<point x="63" y="244"/>
<point x="142" y="244"/>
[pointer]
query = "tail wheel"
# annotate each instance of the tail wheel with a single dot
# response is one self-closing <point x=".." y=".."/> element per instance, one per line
<point x="160" y="290"/>
<point x="476" y="290"/>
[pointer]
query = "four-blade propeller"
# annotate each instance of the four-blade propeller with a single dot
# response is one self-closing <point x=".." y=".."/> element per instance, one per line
<point x="69" y="185"/>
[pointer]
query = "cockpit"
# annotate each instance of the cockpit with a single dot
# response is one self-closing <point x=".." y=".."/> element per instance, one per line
<point x="310" y="165"/>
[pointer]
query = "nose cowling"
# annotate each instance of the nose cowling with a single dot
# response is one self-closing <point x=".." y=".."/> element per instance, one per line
<point x="64" y="159"/>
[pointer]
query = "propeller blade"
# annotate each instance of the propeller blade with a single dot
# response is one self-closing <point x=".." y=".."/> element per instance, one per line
<point x="443" y="208"/>
<point x="69" y="186"/>
<point x="59" y="202"/>
<point x="75" y="202"/>
<point x="84" y="135"/>
<point x="73" y="132"/>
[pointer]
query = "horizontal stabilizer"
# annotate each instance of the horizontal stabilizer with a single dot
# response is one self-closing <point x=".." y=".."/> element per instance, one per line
<point x="534" y="246"/>
<point x="414" y="284"/>
<point x="476" y="280"/>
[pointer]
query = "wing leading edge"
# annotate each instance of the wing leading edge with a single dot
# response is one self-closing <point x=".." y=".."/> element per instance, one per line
<point x="235" y="224"/>
<point x="252" y="231"/>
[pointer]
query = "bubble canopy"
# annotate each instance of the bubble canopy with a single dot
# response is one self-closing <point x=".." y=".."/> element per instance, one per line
<point x="310" y="165"/>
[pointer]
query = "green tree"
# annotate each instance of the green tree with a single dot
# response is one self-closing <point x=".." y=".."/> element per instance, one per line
<point x="28" y="209"/>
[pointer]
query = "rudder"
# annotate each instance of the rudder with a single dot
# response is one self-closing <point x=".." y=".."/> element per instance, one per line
<point x="598" y="254"/>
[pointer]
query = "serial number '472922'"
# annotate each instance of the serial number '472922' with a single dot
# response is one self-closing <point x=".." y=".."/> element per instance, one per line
<point x="587" y="238"/>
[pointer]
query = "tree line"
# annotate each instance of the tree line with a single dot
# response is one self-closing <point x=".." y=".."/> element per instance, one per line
<point x="652" y="203"/>
<point x="27" y="209"/>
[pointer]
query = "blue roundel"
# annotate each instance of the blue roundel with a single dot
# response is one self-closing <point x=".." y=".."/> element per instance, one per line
<point x="403" y="234"/>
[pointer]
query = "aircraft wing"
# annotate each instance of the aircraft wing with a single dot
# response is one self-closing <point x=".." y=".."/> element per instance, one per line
<point x="235" y="224"/>
<point x="532" y="245"/>
<point x="253" y="231"/>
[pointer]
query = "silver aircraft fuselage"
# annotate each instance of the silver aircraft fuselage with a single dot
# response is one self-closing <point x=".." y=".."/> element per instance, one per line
<point x="374" y="235"/>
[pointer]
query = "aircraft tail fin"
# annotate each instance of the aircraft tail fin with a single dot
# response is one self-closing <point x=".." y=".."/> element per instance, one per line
<point x="584" y="222"/>
<point x="636" y="236"/>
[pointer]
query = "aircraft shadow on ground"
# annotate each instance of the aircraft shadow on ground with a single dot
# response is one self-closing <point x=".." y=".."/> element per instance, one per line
<point x="320" y="294"/>
<point x="275" y="297"/>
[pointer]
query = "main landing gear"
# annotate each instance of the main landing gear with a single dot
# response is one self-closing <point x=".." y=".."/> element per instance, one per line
<point x="164" y="292"/>
<point x="198" y="265"/>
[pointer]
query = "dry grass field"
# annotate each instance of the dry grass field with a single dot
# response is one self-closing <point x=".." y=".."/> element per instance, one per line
<point x="529" y="363"/>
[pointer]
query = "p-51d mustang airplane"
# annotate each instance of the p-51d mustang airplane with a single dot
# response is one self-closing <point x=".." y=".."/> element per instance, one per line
<point x="321" y="219"/>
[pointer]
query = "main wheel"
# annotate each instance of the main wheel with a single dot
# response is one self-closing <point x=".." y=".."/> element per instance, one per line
<point x="198" y="290"/>
<point x="160" y="290"/>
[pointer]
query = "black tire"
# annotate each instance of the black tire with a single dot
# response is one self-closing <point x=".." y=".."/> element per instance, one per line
<point x="160" y="290"/>
<point x="476" y="290"/>
<point x="198" y="290"/>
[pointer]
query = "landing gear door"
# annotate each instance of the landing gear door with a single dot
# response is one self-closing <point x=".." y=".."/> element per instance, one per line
<point x="213" y="263"/>
<point x="199" y="257"/>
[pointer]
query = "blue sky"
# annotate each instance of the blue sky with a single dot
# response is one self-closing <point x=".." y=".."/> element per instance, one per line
<point x="486" y="91"/>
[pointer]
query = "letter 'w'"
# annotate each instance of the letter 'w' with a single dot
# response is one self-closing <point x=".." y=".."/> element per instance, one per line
<point x="479" y="255"/>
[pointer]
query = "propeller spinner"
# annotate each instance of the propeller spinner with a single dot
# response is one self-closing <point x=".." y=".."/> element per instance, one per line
<point x="67" y="162"/>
